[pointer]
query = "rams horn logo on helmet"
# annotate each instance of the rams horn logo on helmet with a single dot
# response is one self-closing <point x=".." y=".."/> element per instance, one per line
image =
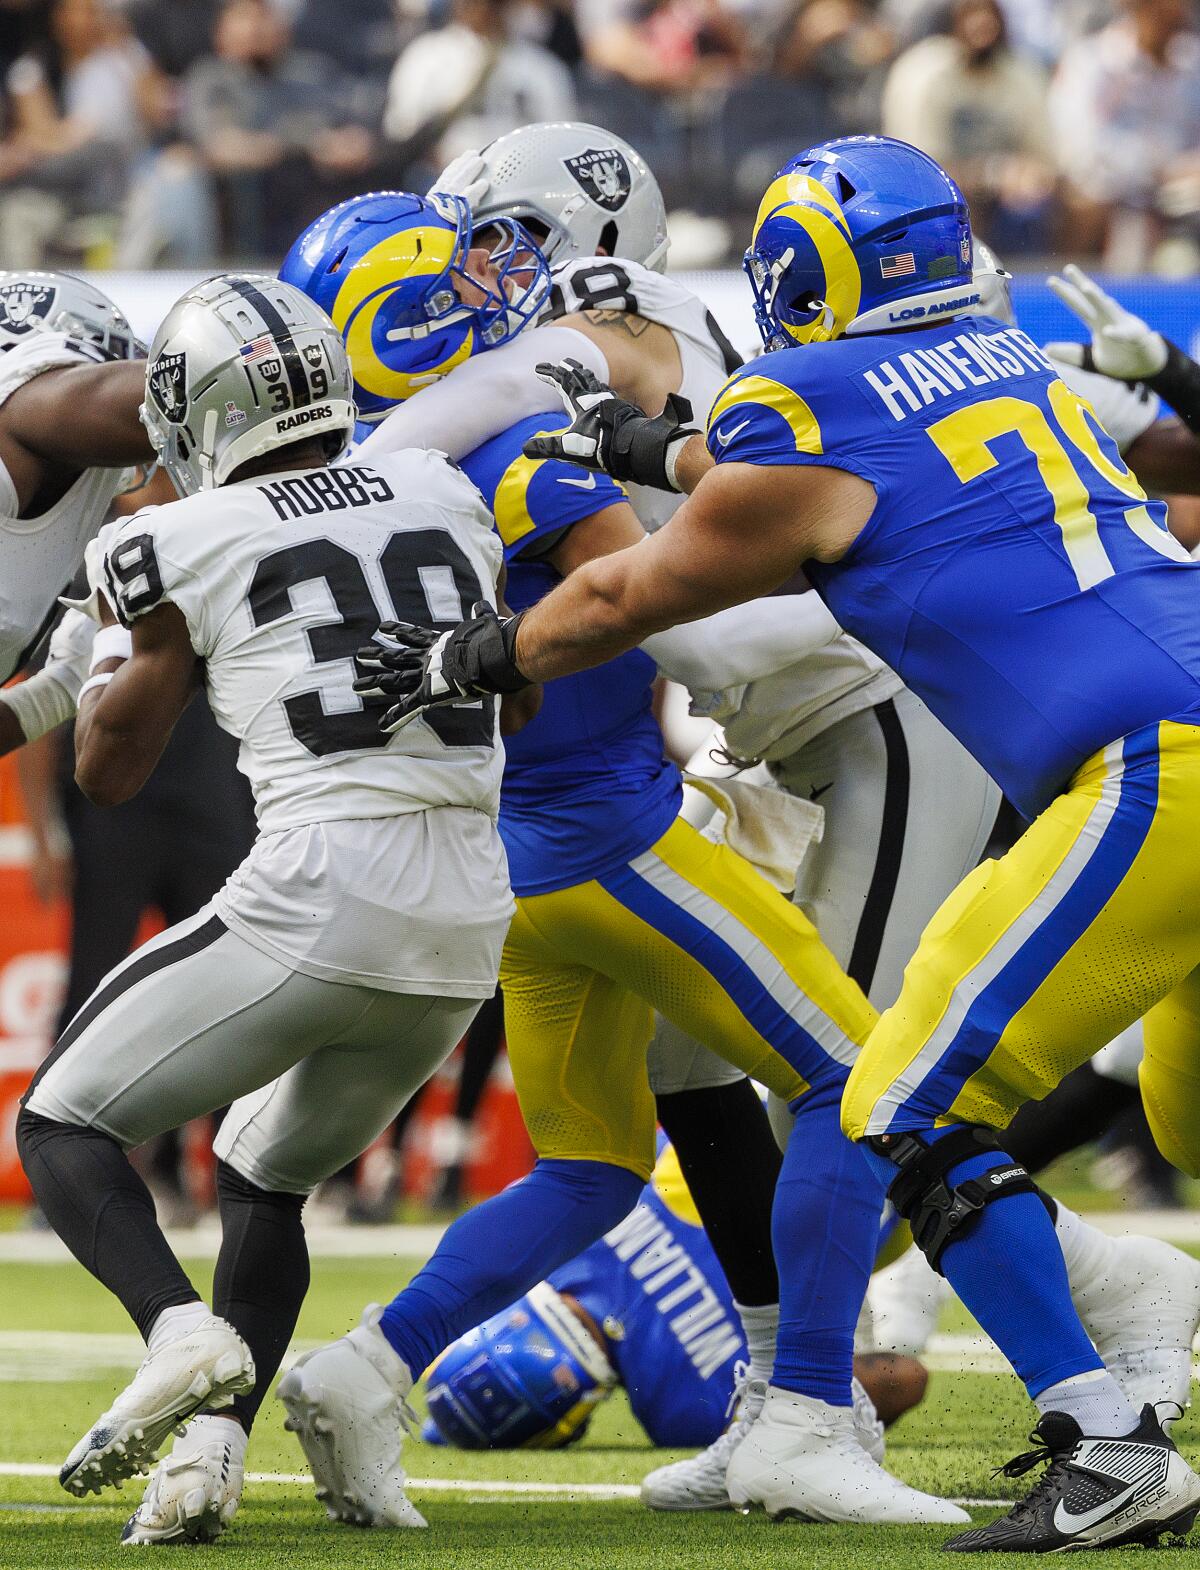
<point x="168" y="385"/>
<point x="24" y="305"/>
<point x="603" y="174"/>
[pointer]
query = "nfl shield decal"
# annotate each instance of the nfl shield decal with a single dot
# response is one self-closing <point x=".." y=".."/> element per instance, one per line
<point x="168" y="386"/>
<point x="24" y="305"/>
<point x="603" y="174"/>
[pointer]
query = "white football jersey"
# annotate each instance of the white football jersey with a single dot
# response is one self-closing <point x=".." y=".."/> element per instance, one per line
<point x="39" y="556"/>
<point x="771" y="718"/>
<point x="280" y="579"/>
<point x="1125" y="412"/>
<point x="708" y="359"/>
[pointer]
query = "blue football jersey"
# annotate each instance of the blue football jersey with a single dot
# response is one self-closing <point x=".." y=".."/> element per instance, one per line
<point x="655" y="1288"/>
<point x="1013" y="571"/>
<point x="586" y="786"/>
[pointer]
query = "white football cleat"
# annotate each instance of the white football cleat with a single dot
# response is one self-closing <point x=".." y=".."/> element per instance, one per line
<point x="868" y="1430"/>
<point x="906" y="1300"/>
<point x="802" y="1461"/>
<point x="345" y="1404"/>
<point x="200" y="1371"/>
<point x="193" y="1493"/>
<point x="699" y="1482"/>
<point x="1141" y="1313"/>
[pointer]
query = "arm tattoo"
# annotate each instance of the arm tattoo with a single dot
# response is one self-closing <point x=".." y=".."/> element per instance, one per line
<point x="635" y="326"/>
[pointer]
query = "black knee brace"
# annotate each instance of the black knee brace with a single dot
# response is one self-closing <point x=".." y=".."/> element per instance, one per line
<point x="936" y="1211"/>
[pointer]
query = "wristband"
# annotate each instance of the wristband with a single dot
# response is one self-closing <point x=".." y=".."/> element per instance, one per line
<point x="41" y="704"/>
<point x="674" y="450"/>
<point x="111" y="643"/>
<point x="102" y="680"/>
<point x="1178" y="384"/>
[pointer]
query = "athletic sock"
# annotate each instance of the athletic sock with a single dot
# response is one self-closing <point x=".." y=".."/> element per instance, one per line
<point x="1096" y="1402"/>
<point x="216" y="1426"/>
<point x="761" y="1328"/>
<point x="175" y="1322"/>
<point x="1008" y="1269"/>
<point x="103" y="1212"/>
<point x="261" y="1275"/>
<point x="501" y="1248"/>
<point x="717" y="1132"/>
<point x="827" y="1208"/>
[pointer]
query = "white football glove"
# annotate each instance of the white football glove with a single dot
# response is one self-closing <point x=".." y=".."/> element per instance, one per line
<point x="69" y="655"/>
<point x="464" y="176"/>
<point x="1123" y="345"/>
<point x="93" y="561"/>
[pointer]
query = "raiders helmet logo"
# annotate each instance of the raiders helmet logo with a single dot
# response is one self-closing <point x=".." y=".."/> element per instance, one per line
<point x="270" y="370"/>
<point x="168" y="386"/>
<point x="314" y="354"/>
<point x="602" y="174"/>
<point x="23" y="306"/>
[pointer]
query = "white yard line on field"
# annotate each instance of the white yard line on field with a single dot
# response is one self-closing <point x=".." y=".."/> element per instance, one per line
<point x="441" y="1485"/>
<point x="333" y="1241"/>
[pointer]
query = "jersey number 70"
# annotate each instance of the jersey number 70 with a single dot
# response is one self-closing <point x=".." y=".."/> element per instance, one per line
<point x="963" y="439"/>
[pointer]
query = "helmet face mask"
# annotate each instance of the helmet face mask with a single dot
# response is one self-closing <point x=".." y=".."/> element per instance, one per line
<point x="393" y="271"/>
<point x="529" y="1377"/>
<point x="242" y="366"/>
<point x="857" y="235"/>
<point x="588" y="191"/>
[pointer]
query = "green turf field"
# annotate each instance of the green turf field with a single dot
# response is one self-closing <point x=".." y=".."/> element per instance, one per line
<point x="968" y="1424"/>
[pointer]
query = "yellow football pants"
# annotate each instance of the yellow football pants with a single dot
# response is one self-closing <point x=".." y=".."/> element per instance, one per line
<point x="690" y="929"/>
<point x="1040" y="958"/>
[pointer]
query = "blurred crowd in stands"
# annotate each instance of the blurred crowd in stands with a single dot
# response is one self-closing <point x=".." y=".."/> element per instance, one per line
<point x="178" y="132"/>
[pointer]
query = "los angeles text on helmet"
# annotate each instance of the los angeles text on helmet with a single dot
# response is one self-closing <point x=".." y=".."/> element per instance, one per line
<point x="913" y="379"/>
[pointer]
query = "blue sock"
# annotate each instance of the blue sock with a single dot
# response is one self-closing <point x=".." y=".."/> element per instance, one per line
<point x="1008" y="1269"/>
<point x="501" y="1248"/>
<point x="825" y="1231"/>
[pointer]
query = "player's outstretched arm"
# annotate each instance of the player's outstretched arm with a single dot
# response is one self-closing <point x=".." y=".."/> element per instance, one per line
<point x="80" y="416"/>
<point x="126" y="719"/>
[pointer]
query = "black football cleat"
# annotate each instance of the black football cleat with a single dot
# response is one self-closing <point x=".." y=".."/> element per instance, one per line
<point x="1094" y="1493"/>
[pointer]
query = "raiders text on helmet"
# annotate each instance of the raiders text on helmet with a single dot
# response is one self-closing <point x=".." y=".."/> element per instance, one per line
<point x="589" y="190"/>
<point x="241" y="366"/>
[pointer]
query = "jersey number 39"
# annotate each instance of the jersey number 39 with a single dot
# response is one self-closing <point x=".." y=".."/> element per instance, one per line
<point x="430" y="582"/>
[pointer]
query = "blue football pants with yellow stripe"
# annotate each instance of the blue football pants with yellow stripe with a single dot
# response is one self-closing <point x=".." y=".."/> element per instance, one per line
<point x="1038" y="959"/>
<point x="689" y="929"/>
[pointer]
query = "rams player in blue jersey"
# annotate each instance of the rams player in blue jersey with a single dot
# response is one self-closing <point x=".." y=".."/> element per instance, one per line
<point x="646" y="1308"/>
<point x="622" y="908"/>
<point x="965" y="515"/>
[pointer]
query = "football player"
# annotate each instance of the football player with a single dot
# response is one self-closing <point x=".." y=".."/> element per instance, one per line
<point x="71" y="379"/>
<point x="318" y="1016"/>
<point x="623" y="908"/>
<point x="907" y="810"/>
<point x="647" y="1308"/>
<point x="960" y="510"/>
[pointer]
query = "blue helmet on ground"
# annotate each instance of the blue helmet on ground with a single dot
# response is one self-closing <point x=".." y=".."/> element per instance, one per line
<point x="390" y="268"/>
<point x="856" y="235"/>
<point x="528" y="1377"/>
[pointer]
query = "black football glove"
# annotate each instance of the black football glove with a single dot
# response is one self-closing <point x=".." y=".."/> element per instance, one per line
<point x="611" y="435"/>
<point x="426" y="669"/>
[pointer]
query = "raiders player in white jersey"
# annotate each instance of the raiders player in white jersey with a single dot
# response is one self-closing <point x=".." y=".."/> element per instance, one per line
<point x="69" y="431"/>
<point x="345" y="958"/>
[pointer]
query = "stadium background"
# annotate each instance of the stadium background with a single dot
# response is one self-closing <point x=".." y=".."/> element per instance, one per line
<point x="148" y="142"/>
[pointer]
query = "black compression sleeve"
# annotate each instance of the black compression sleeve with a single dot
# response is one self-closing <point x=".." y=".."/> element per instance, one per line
<point x="1178" y="384"/>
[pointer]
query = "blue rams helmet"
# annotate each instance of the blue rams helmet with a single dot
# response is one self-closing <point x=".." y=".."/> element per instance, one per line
<point x="384" y="267"/>
<point x="528" y="1377"/>
<point x="856" y="235"/>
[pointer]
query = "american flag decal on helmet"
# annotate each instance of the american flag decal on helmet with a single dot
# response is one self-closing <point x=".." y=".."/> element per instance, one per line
<point x="900" y="266"/>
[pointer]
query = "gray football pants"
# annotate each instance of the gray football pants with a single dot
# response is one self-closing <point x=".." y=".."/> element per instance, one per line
<point x="198" y="1018"/>
<point x="908" y="813"/>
